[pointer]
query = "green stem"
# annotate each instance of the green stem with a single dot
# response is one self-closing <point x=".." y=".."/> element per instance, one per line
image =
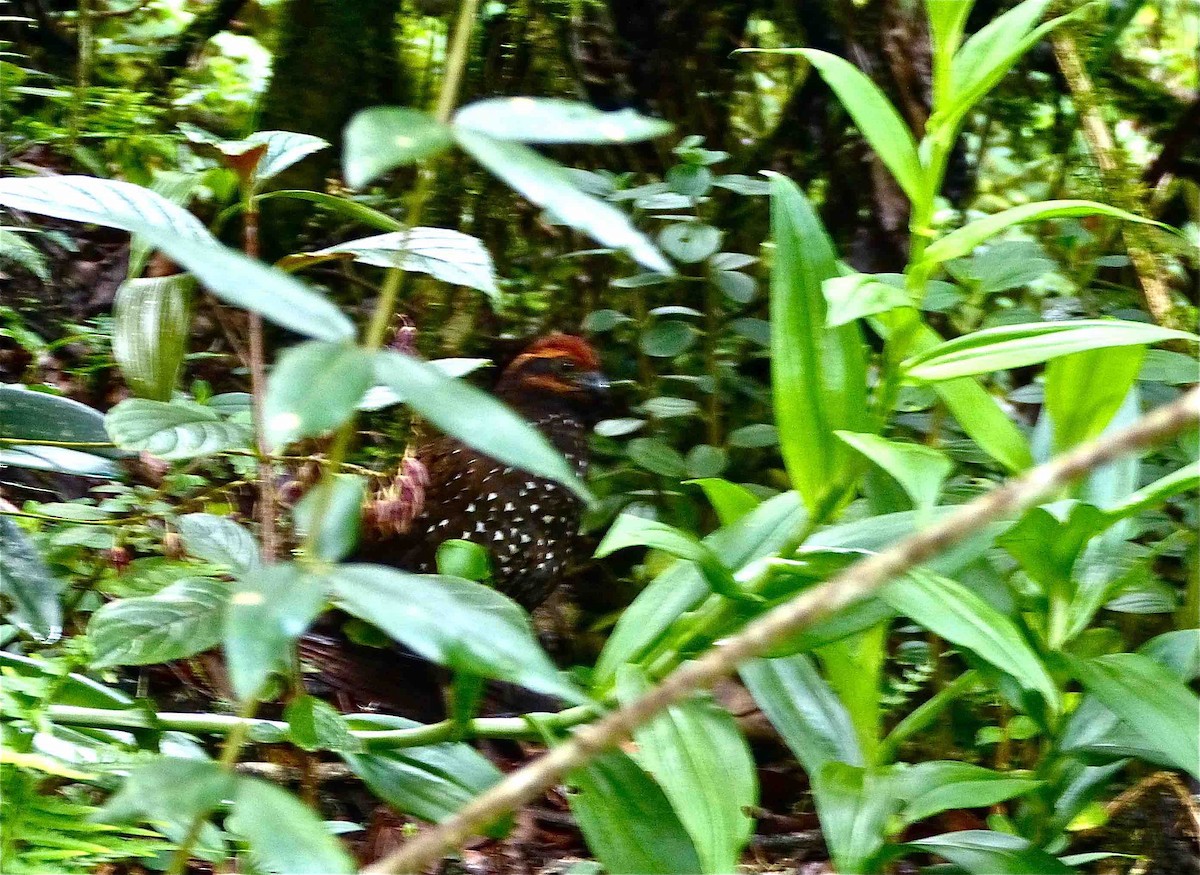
<point x="924" y="715"/>
<point x="20" y="442"/>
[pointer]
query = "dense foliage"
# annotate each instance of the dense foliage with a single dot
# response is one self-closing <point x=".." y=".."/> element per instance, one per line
<point x="839" y="302"/>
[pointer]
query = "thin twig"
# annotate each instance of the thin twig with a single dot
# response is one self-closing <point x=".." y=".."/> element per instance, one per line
<point x="859" y="580"/>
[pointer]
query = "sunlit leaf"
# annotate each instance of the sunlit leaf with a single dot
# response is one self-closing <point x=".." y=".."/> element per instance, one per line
<point x="341" y="498"/>
<point x="984" y="852"/>
<point x="1084" y="391"/>
<point x="314" y="388"/>
<point x="636" y="531"/>
<point x="150" y="332"/>
<point x="175" y="430"/>
<point x="920" y="470"/>
<point x="182" y="620"/>
<point x="219" y="540"/>
<point x="385" y="137"/>
<point x="554" y="120"/>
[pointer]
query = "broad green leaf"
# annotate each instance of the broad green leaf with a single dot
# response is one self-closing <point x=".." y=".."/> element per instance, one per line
<point x="178" y="188"/>
<point x="808" y="714"/>
<point x="314" y="388"/>
<point x="430" y="782"/>
<point x="446" y="255"/>
<point x="457" y="623"/>
<point x="628" y="821"/>
<point x="475" y="418"/>
<point x="1016" y="346"/>
<point x="182" y="620"/>
<point x="932" y="787"/>
<point x="175" y="430"/>
<point x="314" y="724"/>
<point x="342" y="206"/>
<point x="219" y="540"/>
<point x="818" y="374"/>
<point x="75" y="689"/>
<point x="465" y="559"/>
<point x="229" y="275"/>
<point x="635" y="531"/>
<point x="150" y="332"/>
<point x="919" y="469"/>
<point x="554" y="120"/>
<point x="58" y="459"/>
<point x="874" y="116"/>
<point x="548" y="185"/>
<point x="689" y="242"/>
<point x="339" y="524"/>
<point x="949" y="609"/>
<point x="667" y="338"/>
<point x="1186" y="479"/>
<point x="270" y="608"/>
<point x="30" y="415"/>
<point x="983" y="852"/>
<point x="30" y="590"/>
<point x="170" y="789"/>
<point x="1148" y="698"/>
<point x="705" y="460"/>
<point x="284" y="148"/>
<point x="852" y="297"/>
<point x="701" y="760"/>
<point x="963" y="241"/>
<point x="379" y="397"/>
<point x="1084" y="390"/>
<point x="1177" y="651"/>
<point x="285" y="835"/>
<point x="856" y="807"/>
<point x="729" y="500"/>
<point x="385" y="137"/>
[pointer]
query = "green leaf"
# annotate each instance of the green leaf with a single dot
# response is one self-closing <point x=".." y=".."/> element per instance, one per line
<point x="656" y="456"/>
<point x="30" y="415"/>
<point x="1178" y="652"/>
<point x="932" y="787"/>
<point x="1150" y="699"/>
<point x="689" y="242"/>
<point x="182" y="620"/>
<point x="856" y="807"/>
<point x="801" y="705"/>
<point x="627" y="819"/>
<point x="169" y="789"/>
<point x="983" y="852"/>
<point x="58" y="459"/>
<point x="667" y="339"/>
<point x="1185" y="479"/>
<point x="229" y="275"/>
<point x="554" y="120"/>
<point x="874" y="116"/>
<point x="314" y="388"/>
<point x="548" y="185"/>
<point x="698" y="756"/>
<point x="151" y="320"/>
<point x="818" y="374"/>
<point x="314" y="724"/>
<point x="729" y="500"/>
<point x="962" y="241"/>
<point x="270" y="608"/>
<point x="1016" y="346"/>
<point x="26" y="583"/>
<point x="339" y="524"/>
<point x="430" y="782"/>
<point x="465" y="559"/>
<point x="919" y="469"/>
<point x="175" y="430"/>
<point x="446" y="255"/>
<point x="705" y="460"/>
<point x="949" y="609"/>
<point x="947" y="19"/>
<point x="853" y="297"/>
<point x="284" y="148"/>
<point x="475" y="418"/>
<point x="635" y="531"/>
<point x="284" y="834"/>
<point x="385" y="137"/>
<point x="342" y="206"/>
<point x="1084" y="391"/>
<point x="457" y="623"/>
<point x="219" y="540"/>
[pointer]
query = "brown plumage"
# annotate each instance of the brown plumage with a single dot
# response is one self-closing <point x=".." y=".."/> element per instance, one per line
<point x="527" y="523"/>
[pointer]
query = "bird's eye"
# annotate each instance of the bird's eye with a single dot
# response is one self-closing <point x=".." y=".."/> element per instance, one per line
<point x="565" y="366"/>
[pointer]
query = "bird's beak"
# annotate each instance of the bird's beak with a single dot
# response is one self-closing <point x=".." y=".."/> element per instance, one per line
<point x="594" y="383"/>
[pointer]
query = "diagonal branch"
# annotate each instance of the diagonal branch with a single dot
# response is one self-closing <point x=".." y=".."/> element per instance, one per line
<point x="856" y="582"/>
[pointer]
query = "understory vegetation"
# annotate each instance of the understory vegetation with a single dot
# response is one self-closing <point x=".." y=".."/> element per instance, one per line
<point x="849" y="268"/>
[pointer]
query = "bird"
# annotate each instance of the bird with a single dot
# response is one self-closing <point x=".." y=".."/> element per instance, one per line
<point x="447" y="490"/>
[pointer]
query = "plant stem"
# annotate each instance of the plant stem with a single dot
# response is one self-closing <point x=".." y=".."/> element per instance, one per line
<point x="925" y="714"/>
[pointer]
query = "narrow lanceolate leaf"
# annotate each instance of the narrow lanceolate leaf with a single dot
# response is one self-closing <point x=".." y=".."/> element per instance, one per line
<point x="270" y="608"/>
<point x="285" y="835"/>
<point x="635" y="531"/>
<point x="548" y="185"/>
<point x="219" y="540"/>
<point x="983" y="852"/>
<point x="229" y="275"/>
<point x="1150" y="699"/>
<point x="30" y="415"/>
<point x="31" y="592"/>
<point x="819" y="374"/>
<point x="1085" y="390"/>
<point x="874" y="116"/>
<point x="168" y="789"/>
<point x="627" y="819"/>
<point x="554" y="120"/>
<point x="949" y="609"/>
<point x="450" y="256"/>
<point x="932" y="787"/>
<point x="342" y="206"/>
<point x="182" y="620"/>
<point x="963" y="241"/>
<point x="457" y="623"/>
<point x="1016" y="346"/>
<point x="920" y="470"/>
<point x="701" y="760"/>
<point x="475" y="418"/>
<point x="340" y="501"/>
<point x="176" y="430"/>
<point x="150" y="328"/>
<point x="314" y="388"/>
<point x="385" y="137"/>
